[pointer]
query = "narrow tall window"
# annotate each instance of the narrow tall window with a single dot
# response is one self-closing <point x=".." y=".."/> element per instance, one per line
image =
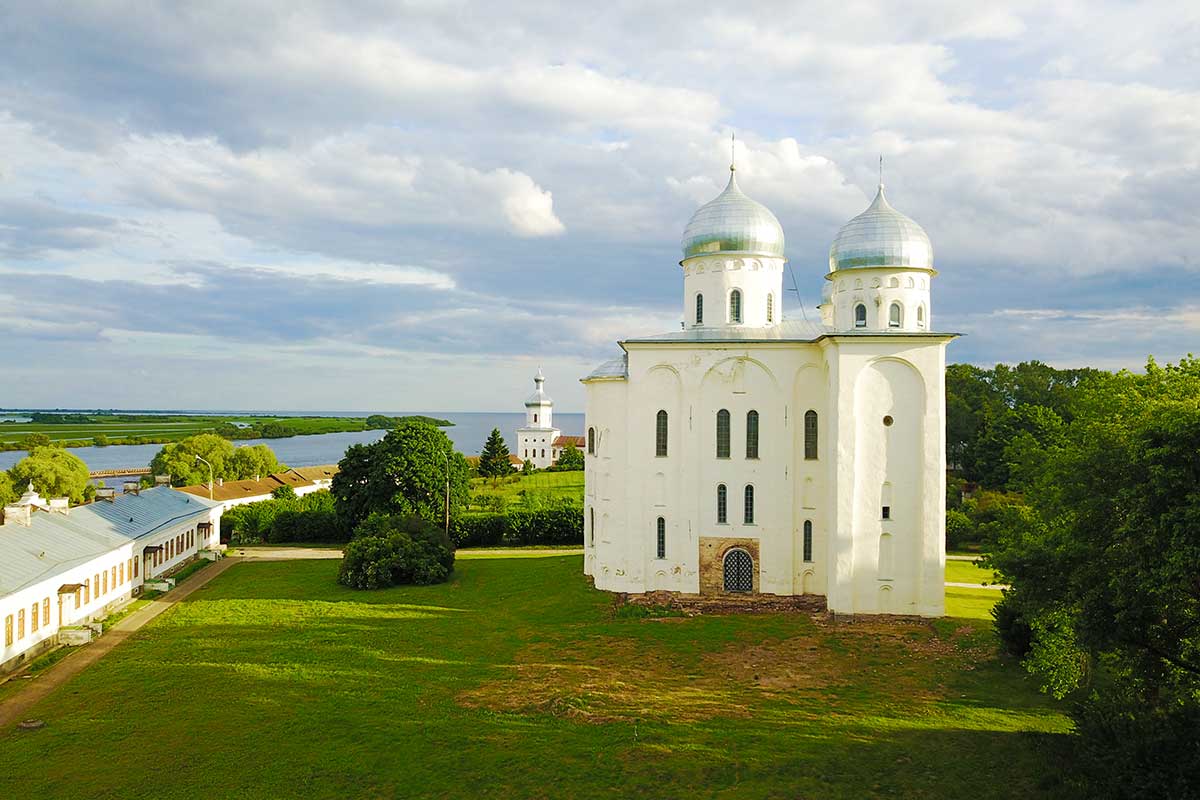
<point x="722" y="504"/>
<point x="660" y="434"/>
<point x="808" y="540"/>
<point x="860" y="316"/>
<point x="46" y="611"/>
<point x="722" y="434"/>
<point x="699" y="309"/>
<point x="662" y="538"/>
<point x="921" y="317"/>
<point x="735" y="305"/>
<point x="752" y="434"/>
<point x="591" y="441"/>
<point x="895" y="316"/>
<point x="748" y="506"/>
<point x="33" y="618"/>
<point x="770" y="308"/>
<point x="810" y="435"/>
<point x="592" y="527"/>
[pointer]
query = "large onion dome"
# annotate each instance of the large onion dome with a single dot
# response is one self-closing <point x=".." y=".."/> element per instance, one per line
<point x="881" y="237"/>
<point x="733" y="223"/>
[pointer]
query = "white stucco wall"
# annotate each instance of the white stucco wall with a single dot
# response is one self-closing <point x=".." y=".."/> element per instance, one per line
<point x="851" y="383"/>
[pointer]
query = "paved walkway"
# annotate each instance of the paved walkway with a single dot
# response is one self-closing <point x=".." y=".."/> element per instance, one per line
<point x="283" y="553"/>
<point x="997" y="586"/>
<point x="16" y="707"/>
<point x="964" y="558"/>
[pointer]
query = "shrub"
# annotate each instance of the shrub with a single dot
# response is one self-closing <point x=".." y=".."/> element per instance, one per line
<point x="1130" y="748"/>
<point x="557" y="525"/>
<point x="388" y="550"/>
<point x="959" y="529"/>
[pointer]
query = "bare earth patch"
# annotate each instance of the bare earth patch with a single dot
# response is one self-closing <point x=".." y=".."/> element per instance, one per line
<point x="624" y="679"/>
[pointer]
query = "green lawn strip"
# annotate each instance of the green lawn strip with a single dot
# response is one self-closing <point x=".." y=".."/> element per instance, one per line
<point x="516" y="680"/>
<point x="544" y="484"/>
<point x="971" y="603"/>
<point x="968" y="572"/>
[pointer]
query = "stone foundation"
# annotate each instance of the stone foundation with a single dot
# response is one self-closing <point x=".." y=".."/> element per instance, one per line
<point x="728" y="603"/>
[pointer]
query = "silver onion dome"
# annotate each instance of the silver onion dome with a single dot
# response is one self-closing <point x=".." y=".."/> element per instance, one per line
<point x="881" y="237"/>
<point x="733" y="223"/>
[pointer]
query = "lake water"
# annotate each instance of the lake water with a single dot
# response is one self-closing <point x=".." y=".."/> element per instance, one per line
<point x="469" y="432"/>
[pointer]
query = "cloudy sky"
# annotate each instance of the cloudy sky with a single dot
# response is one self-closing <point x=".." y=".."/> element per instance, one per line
<point x="409" y="206"/>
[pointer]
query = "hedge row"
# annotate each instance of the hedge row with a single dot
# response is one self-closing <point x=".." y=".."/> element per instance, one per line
<point x="562" y="525"/>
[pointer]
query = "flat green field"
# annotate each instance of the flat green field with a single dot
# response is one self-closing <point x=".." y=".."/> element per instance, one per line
<point x="516" y="680"/>
<point x="968" y="572"/>
<point x="545" y="484"/>
<point x="158" y="429"/>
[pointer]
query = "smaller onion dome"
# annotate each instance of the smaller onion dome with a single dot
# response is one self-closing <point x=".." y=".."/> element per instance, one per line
<point x="881" y="237"/>
<point x="733" y="223"/>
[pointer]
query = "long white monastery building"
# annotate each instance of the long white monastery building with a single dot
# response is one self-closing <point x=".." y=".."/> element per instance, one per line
<point x="61" y="567"/>
<point x="748" y="453"/>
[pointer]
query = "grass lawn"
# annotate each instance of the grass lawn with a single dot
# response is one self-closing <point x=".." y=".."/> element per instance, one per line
<point x="546" y="484"/>
<point x="515" y="680"/>
<point x="968" y="572"/>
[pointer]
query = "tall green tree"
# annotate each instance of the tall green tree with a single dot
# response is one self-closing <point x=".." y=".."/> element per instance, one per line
<point x="54" y="472"/>
<point x="1102" y="559"/>
<point x="247" y="462"/>
<point x="179" y="459"/>
<point x="405" y="472"/>
<point x="571" y="458"/>
<point x="493" y="461"/>
<point x="7" y="492"/>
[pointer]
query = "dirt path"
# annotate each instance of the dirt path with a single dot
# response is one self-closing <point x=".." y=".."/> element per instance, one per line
<point x="14" y="708"/>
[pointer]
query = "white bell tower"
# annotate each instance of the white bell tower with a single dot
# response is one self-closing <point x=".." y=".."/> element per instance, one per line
<point x="535" y="441"/>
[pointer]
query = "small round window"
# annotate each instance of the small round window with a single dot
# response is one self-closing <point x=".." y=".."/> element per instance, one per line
<point x="888" y="420"/>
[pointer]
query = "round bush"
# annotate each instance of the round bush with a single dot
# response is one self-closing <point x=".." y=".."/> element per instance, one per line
<point x="388" y="550"/>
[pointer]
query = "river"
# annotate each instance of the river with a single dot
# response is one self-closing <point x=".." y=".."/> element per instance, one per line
<point x="469" y="431"/>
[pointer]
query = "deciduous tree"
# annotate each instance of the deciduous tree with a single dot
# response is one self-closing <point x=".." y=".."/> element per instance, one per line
<point x="54" y="472"/>
<point x="404" y="473"/>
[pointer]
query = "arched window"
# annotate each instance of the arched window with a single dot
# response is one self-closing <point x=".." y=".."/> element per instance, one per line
<point x="752" y="434"/>
<point x="535" y="417"/>
<point x="591" y="441"/>
<point x="699" y="309"/>
<point x="722" y="504"/>
<point x="810" y="435"/>
<point x="860" y="316"/>
<point x="662" y="538"/>
<point x="735" y="305"/>
<point x="808" y="540"/>
<point x="921" y="317"/>
<point x="895" y="316"/>
<point x="770" y="307"/>
<point x="660" y="434"/>
<point x="894" y="283"/>
<point x="592" y="527"/>
<point x="722" y="434"/>
<point x="748" y="506"/>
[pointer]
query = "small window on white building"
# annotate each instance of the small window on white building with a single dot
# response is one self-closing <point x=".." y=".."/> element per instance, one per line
<point x="699" y="309"/>
<point x="660" y="434"/>
<point x="748" y="506"/>
<point x="735" y="306"/>
<point x="770" y="307"/>
<point x="921" y="317"/>
<point x="895" y="316"/>
<point x="860" y="316"/>
<point x="808" y="540"/>
<point x="722" y="505"/>
<point x="591" y="444"/>
<point x="662" y="538"/>
<point x="722" y="434"/>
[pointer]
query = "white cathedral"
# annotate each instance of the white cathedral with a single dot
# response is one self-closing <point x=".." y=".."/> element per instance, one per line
<point x="749" y="453"/>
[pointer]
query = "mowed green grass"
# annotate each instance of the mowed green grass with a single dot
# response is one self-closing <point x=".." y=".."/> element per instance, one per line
<point x="968" y="572"/>
<point x="548" y="484"/>
<point x="516" y="680"/>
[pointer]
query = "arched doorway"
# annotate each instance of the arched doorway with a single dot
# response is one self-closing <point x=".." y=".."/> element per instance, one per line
<point x="739" y="571"/>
